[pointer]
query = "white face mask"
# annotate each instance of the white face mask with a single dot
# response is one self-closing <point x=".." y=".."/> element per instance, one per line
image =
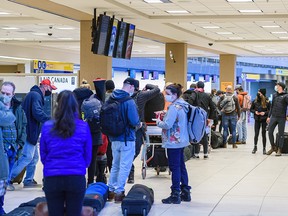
<point x="276" y="88"/>
<point x="169" y="98"/>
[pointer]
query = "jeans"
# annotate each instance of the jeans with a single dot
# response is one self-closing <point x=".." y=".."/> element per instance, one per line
<point x="242" y="127"/>
<point x="65" y="189"/>
<point x="281" y="127"/>
<point x="11" y="154"/>
<point x="123" y="155"/>
<point x="257" y="125"/>
<point x="229" y="122"/>
<point x="178" y="169"/>
<point x="28" y="159"/>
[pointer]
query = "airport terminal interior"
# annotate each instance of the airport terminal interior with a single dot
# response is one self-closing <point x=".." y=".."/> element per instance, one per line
<point x="219" y="42"/>
<point x="232" y="182"/>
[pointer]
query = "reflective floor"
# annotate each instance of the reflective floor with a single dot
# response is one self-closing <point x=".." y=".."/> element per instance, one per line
<point x="231" y="182"/>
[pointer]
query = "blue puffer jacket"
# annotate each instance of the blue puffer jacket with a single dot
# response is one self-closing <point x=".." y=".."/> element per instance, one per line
<point x="174" y="125"/>
<point x="132" y="116"/>
<point x="33" y="107"/>
<point x="70" y="156"/>
<point x="6" y="119"/>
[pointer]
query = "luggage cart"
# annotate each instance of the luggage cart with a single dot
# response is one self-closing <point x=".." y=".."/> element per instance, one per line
<point x="153" y="133"/>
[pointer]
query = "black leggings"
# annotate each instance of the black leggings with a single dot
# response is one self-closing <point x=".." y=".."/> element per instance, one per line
<point x="260" y="124"/>
<point x="281" y="127"/>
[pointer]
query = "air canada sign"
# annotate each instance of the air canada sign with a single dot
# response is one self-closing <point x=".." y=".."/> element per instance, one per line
<point x="62" y="82"/>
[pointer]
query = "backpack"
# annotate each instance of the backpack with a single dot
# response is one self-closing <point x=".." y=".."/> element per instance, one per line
<point x="111" y="121"/>
<point x="197" y="120"/>
<point x="246" y="103"/>
<point x="91" y="108"/>
<point x="228" y="104"/>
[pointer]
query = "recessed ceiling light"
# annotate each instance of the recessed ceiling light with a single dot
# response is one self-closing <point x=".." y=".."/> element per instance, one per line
<point x="237" y="1"/>
<point x="10" y="28"/>
<point x="235" y="38"/>
<point x="12" y="38"/>
<point x="40" y="33"/>
<point x="65" y="28"/>
<point x="10" y="57"/>
<point x="282" y="32"/>
<point x="65" y="38"/>
<point x="177" y="11"/>
<point x="210" y="27"/>
<point x="271" y="26"/>
<point x="4" y="13"/>
<point x="224" y="33"/>
<point x="156" y="1"/>
<point x="250" y="11"/>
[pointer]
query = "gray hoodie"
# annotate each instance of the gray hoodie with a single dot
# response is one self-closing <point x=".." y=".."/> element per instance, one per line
<point x="174" y="125"/>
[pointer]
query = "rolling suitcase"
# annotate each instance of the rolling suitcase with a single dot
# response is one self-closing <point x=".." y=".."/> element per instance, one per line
<point x="285" y="144"/>
<point x="138" y="201"/>
<point x="96" y="196"/>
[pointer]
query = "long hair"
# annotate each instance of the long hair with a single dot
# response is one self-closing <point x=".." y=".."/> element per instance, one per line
<point x="65" y="113"/>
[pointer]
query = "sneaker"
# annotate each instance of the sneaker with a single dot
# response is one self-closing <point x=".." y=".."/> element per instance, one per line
<point x="206" y="157"/>
<point x="32" y="184"/>
<point x="10" y="187"/>
<point x="119" y="197"/>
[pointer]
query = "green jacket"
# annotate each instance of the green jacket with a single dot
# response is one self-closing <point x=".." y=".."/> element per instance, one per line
<point x="21" y="122"/>
<point x="6" y="118"/>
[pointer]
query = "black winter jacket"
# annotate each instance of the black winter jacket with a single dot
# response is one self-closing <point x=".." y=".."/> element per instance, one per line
<point x="279" y="105"/>
<point x="203" y="100"/>
<point x="33" y="105"/>
<point x="256" y="106"/>
<point x="141" y="98"/>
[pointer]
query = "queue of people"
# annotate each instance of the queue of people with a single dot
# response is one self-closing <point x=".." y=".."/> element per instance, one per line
<point x="68" y="146"/>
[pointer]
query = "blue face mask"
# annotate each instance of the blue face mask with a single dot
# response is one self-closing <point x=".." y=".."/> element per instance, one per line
<point x="5" y="99"/>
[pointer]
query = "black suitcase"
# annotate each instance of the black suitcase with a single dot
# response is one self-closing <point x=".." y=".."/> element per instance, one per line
<point x="216" y="139"/>
<point x="285" y="144"/>
<point x="159" y="158"/>
<point x="138" y="201"/>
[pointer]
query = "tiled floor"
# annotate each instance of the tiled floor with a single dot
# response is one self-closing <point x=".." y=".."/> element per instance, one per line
<point x="231" y="182"/>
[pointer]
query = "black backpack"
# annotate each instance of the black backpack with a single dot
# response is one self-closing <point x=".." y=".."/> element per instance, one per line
<point x="111" y="121"/>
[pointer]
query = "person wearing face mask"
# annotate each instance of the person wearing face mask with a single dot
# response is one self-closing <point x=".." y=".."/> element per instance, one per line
<point x="123" y="146"/>
<point x="6" y="118"/>
<point x="175" y="138"/>
<point x="277" y="116"/>
<point x="260" y="108"/>
<point x="33" y="106"/>
<point x="14" y="135"/>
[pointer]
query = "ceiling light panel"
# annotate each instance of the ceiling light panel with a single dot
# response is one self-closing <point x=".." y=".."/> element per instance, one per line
<point x="177" y="11"/>
<point x="156" y="1"/>
<point x="4" y="13"/>
<point x="250" y="11"/>
<point x="239" y="1"/>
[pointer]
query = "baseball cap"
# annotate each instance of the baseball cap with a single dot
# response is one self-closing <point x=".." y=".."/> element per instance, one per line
<point x="281" y="84"/>
<point x="130" y="81"/>
<point x="49" y="83"/>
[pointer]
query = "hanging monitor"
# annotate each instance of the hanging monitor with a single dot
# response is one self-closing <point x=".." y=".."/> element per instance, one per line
<point x="113" y="36"/>
<point x="130" y="40"/>
<point x="121" y="40"/>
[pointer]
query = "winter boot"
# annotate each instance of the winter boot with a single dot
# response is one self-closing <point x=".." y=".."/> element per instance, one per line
<point x="254" y="150"/>
<point x="174" y="198"/>
<point x="278" y="152"/>
<point x="273" y="149"/>
<point x="185" y="195"/>
<point x="235" y="146"/>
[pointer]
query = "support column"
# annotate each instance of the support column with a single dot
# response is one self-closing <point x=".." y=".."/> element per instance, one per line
<point x="227" y="71"/>
<point x="92" y="66"/>
<point x="176" y="63"/>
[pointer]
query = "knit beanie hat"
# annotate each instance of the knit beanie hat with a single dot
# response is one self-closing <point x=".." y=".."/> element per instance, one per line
<point x="263" y="91"/>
